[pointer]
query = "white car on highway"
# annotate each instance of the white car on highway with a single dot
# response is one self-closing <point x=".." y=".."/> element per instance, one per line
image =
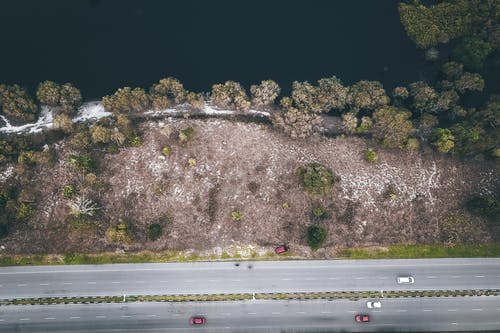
<point x="405" y="280"/>
<point x="373" y="305"/>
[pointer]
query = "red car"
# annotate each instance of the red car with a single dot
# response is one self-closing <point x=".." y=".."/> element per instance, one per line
<point x="362" y="318"/>
<point x="281" y="249"/>
<point x="197" y="320"/>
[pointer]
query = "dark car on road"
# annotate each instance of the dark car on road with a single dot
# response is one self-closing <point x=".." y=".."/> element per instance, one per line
<point x="362" y="318"/>
<point x="197" y="320"/>
<point x="281" y="249"/>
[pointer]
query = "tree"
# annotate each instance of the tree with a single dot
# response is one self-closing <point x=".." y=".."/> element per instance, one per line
<point x="349" y="123"/>
<point x="400" y="94"/>
<point x="70" y="98"/>
<point x="424" y="97"/>
<point x="425" y="125"/>
<point x="332" y="94"/>
<point x="305" y="97"/>
<point x="444" y="140"/>
<point x="316" y="178"/>
<point x="452" y="70"/>
<point x="428" y="26"/>
<point x="297" y="123"/>
<point x="265" y="93"/>
<point x="48" y="93"/>
<point x="472" y="52"/>
<point x="469" y="82"/>
<point x="171" y="88"/>
<point x="127" y="100"/>
<point x="100" y="134"/>
<point x="367" y="95"/>
<point x="316" y="237"/>
<point x="16" y="104"/>
<point x="230" y="95"/>
<point x="154" y="231"/>
<point x="391" y="125"/>
<point x="64" y="123"/>
<point x="67" y="97"/>
<point x="196" y="100"/>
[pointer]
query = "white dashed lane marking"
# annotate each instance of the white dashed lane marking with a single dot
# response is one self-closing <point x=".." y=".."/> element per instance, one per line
<point x="22" y="285"/>
<point x="67" y="282"/>
<point x="100" y="317"/>
<point x="92" y="282"/>
<point x="431" y="277"/>
<point x="74" y="317"/>
<point x="50" y="318"/>
<point x="44" y="284"/>
<point x="479" y="276"/>
<point x="125" y="316"/>
<point x="301" y="312"/>
<point x="401" y="310"/>
<point x="452" y="310"/>
<point x="24" y="319"/>
<point x="151" y="315"/>
<point x="477" y="309"/>
<point x="427" y="310"/>
<point x="275" y="313"/>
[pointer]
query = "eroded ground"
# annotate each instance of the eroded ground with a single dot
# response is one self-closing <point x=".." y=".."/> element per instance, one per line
<point x="251" y="168"/>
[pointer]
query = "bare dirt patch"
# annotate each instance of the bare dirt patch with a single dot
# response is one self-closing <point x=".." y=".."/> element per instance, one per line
<point x="252" y="168"/>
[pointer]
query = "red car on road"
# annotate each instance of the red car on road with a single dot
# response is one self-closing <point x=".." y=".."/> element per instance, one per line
<point x="362" y="318"/>
<point x="281" y="249"/>
<point x="197" y="320"/>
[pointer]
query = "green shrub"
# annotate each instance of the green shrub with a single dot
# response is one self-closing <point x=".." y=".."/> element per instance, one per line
<point x="412" y="144"/>
<point x="316" y="237"/>
<point x="319" y="212"/>
<point x="484" y="206"/>
<point x="120" y="233"/>
<point x="472" y="52"/>
<point x="68" y="192"/>
<point x="316" y="178"/>
<point x="25" y="212"/>
<point x="154" y="231"/>
<point x="166" y="150"/>
<point x="186" y="135"/>
<point x="83" y="162"/>
<point x="371" y="155"/>
<point x="135" y="140"/>
<point x="236" y="215"/>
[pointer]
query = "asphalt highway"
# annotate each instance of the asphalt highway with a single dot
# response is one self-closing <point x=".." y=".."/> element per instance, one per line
<point x="404" y="314"/>
<point x="247" y="277"/>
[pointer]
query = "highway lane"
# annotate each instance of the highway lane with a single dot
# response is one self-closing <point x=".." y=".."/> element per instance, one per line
<point x="407" y="314"/>
<point x="262" y="276"/>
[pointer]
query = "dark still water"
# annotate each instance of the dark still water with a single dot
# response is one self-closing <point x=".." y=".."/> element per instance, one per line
<point x="101" y="45"/>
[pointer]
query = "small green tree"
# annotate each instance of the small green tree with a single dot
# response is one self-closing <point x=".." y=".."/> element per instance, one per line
<point x="316" y="237"/>
<point x="154" y="231"/>
<point x="370" y="155"/>
<point x="444" y="140"/>
<point x="316" y="178"/>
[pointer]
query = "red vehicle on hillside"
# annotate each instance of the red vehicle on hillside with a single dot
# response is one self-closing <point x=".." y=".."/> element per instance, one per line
<point x="281" y="249"/>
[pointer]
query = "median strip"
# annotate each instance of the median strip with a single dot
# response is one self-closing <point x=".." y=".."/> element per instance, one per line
<point x="354" y="296"/>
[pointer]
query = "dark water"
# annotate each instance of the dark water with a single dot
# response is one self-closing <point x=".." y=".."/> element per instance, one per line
<point x="103" y="45"/>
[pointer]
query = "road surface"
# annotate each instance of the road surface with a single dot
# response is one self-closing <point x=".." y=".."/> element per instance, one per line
<point x="263" y="276"/>
<point x="403" y="314"/>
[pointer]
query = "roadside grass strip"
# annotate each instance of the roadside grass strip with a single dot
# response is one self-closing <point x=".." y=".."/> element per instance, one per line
<point x="354" y="296"/>
<point x="390" y="252"/>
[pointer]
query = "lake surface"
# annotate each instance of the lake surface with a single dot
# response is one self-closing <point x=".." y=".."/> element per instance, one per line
<point x="103" y="45"/>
